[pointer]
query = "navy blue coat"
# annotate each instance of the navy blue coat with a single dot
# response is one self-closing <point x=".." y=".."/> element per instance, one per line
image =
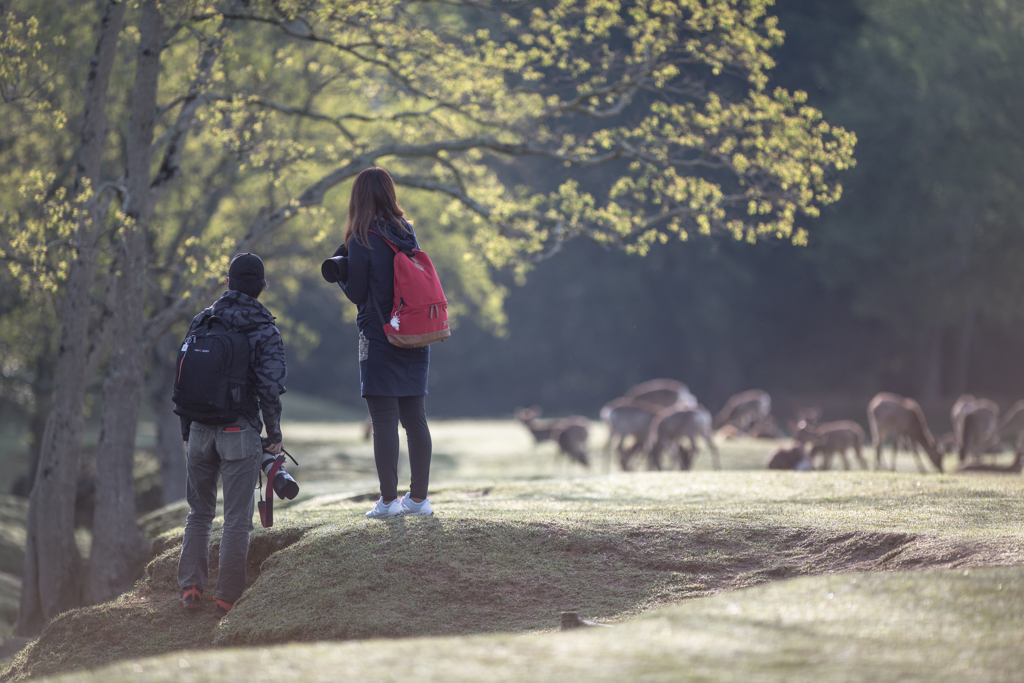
<point x="384" y="370"/>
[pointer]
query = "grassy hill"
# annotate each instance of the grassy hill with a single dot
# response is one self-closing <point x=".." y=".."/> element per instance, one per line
<point x="509" y="556"/>
<point x="951" y="625"/>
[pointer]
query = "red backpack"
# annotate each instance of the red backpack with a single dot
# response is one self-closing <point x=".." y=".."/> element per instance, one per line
<point x="419" y="314"/>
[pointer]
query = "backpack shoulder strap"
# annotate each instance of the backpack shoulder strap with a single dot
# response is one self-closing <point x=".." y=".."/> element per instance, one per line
<point x="394" y="248"/>
<point x="380" y="314"/>
<point x="386" y="240"/>
<point x="212" y="318"/>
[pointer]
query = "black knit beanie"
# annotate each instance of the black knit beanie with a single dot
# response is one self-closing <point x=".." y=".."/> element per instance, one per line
<point x="246" y="267"/>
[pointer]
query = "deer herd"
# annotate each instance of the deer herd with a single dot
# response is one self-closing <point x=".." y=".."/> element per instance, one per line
<point x="662" y="423"/>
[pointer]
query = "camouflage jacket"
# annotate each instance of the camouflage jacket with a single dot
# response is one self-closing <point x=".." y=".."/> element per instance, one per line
<point x="267" y="370"/>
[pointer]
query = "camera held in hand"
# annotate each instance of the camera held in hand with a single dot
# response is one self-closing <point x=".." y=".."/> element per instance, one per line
<point x="284" y="485"/>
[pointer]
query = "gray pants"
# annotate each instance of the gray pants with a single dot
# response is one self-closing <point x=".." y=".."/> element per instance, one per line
<point x="231" y="452"/>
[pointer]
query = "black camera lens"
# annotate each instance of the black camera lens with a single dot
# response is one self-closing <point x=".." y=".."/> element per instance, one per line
<point x="284" y="485"/>
<point x="335" y="269"/>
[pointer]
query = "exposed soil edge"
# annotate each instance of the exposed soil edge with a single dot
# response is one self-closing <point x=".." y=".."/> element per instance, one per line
<point x="157" y="592"/>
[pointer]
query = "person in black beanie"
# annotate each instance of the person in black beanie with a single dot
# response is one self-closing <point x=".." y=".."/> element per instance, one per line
<point x="232" y="452"/>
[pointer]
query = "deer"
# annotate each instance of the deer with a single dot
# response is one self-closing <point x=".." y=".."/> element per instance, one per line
<point x="955" y="419"/>
<point x="668" y="429"/>
<point x="541" y="429"/>
<point x="947" y="443"/>
<point x="830" y="438"/>
<point x="893" y="416"/>
<point x="627" y="418"/>
<point x="977" y="426"/>
<point x="744" y="410"/>
<point x="570" y="433"/>
<point x="810" y="415"/>
<point x="792" y="458"/>
<point x="974" y="466"/>
<point x="662" y="392"/>
<point x="1011" y="426"/>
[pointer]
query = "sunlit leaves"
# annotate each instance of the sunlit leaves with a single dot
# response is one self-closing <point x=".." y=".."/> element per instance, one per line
<point x="651" y="119"/>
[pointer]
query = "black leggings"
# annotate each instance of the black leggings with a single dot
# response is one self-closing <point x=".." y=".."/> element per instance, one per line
<point x="385" y="412"/>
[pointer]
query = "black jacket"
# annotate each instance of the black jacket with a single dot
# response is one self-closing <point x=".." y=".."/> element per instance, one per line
<point x="372" y="271"/>
<point x="267" y="368"/>
<point x="384" y="370"/>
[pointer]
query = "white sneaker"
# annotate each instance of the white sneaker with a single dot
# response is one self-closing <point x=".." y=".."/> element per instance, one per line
<point x="385" y="511"/>
<point x="412" y="508"/>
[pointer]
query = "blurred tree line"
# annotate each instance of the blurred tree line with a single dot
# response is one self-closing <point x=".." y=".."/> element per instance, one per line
<point x="912" y="283"/>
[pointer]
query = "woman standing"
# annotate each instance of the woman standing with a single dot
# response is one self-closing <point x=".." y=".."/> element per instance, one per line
<point x="393" y="380"/>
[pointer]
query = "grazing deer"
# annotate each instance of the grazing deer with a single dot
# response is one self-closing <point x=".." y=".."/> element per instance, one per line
<point x="1011" y="426"/>
<point x="947" y="443"/>
<point x="767" y="428"/>
<point x="974" y="466"/>
<point x="893" y="416"/>
<point x="662" y="392"/>
<point x="668" y="429"/>
<point x="793" y="458"/>
<point x="570" y="433"/>
<point x="977" y="426"/>
<point x="955" y="417"/>
<point x="810" y="415"/>
<point x="541" y="429"/>
<point x="744" y="410"/>
<point x="830" y="438"/>
<point x="627" y="418"/>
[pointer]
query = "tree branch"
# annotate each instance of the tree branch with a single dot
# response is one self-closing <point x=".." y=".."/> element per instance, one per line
<point x="435" y="186"/>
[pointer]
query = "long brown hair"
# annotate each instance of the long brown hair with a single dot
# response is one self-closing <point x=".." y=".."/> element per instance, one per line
<point x="373" y="198"/>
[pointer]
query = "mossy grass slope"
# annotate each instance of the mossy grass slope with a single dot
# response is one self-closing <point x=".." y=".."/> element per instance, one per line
<point x="951" y="625"/>
<point x="509" y="556"/>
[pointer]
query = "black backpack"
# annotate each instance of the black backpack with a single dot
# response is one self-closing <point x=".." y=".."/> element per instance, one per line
<point x="213" y="372"/>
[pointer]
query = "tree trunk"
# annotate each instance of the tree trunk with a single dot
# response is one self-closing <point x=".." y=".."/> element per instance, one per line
<point x="42" y="394"/>
<point x="42" y="402"/>
<point x="52" y="580"/>
<point x="168" y="428"/>
<point x="119" y="550"/>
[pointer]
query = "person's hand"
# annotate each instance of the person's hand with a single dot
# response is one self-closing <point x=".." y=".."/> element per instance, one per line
<point x="275" y="448"/>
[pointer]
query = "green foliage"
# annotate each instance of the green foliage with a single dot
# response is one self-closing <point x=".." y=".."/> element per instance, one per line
<point x="670" y="97"/>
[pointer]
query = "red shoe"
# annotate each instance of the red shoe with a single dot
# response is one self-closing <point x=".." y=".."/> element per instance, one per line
<point x="190" y="597"/>
<point x="222" y="607"/>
